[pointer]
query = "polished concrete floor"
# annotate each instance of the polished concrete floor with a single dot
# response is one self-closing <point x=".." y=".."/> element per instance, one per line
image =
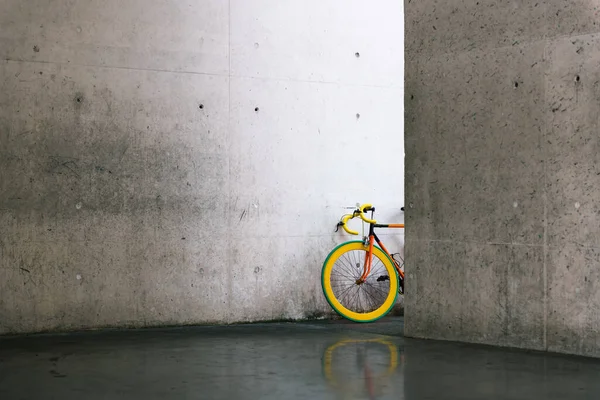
<point x="311" y="360"/>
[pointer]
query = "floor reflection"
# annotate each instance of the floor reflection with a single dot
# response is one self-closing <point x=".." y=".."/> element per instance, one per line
<point x="363" y="368"/>
<point x="317" y="360"/>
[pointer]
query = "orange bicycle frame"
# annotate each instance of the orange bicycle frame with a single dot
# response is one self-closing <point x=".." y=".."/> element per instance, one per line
<point x="369" y="255"/>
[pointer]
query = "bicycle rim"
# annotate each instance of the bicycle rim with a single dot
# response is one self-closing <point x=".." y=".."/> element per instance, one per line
<point x="360" y="302"/>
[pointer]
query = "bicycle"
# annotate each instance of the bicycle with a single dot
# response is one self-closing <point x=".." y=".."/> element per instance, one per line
<point x="371" y="289"/>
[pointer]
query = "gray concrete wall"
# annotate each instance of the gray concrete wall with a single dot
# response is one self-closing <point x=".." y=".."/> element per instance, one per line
<point x="173" y="162"/>
<point x="502" y="173"/>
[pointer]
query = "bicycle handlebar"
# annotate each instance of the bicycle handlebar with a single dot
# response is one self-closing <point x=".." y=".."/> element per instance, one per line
<point x="365" y="208"/>
<point x="344" y="224"/>
<point x="359" y="212"/>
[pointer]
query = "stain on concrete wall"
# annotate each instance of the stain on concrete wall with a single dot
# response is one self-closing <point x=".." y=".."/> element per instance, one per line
<point x="501" y="122"/>
<point x="170" y="163"/>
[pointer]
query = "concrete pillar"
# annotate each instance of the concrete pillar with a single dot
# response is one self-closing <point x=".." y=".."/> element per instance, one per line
<point x="502" y="173"/>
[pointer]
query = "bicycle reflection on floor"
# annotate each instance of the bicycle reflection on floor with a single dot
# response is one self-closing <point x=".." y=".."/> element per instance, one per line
<point x="362" y="368"/>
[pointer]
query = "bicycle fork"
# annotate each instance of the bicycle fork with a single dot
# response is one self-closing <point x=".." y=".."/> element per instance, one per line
<point x="368" y="262"/>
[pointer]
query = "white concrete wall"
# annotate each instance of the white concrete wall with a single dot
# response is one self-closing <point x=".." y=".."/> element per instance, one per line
<point x="123" y="203"/>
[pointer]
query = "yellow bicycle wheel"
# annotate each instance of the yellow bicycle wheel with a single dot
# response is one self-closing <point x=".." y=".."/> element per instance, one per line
<point x="359" y="301"/>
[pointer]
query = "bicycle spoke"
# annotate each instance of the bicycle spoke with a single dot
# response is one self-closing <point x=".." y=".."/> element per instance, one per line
<point x="341" y="288"/>
<point x="345" y="294"/>
<point x="348" y="285"/>
<point x="349" y="295"/>
<point x="347" y="266"/>
<point x="347" y="281"/>
<point x="350" y="277"/>
<point x="359" y="262"/>
<point x="360" y="307"/>
<point x="356" y="295"/>
<point x="372" y="296"/>
<point x="376" y="288"/>
<point x="346" y="263"/>
<point x="351" y="264"/>
<point x="380" y="269"/>
<point x="348" y="273"/>
<point x="371" y="300"/>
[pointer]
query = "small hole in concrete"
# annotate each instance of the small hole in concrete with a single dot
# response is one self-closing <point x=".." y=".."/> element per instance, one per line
<point x="357" y="115"/>
<point x="516" y="84"/>
<point x="357" y="54"/>
<point x="256" y="109"/>
<point x="201" y="106"/>
<point x="79" y="99"/>
<point x="577" y="78"/>
<point x="412" y="96"/>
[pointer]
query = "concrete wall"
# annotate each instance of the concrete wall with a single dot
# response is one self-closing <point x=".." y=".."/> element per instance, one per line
<point x="502" y="173"/>
<point x="174" y="162"/>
